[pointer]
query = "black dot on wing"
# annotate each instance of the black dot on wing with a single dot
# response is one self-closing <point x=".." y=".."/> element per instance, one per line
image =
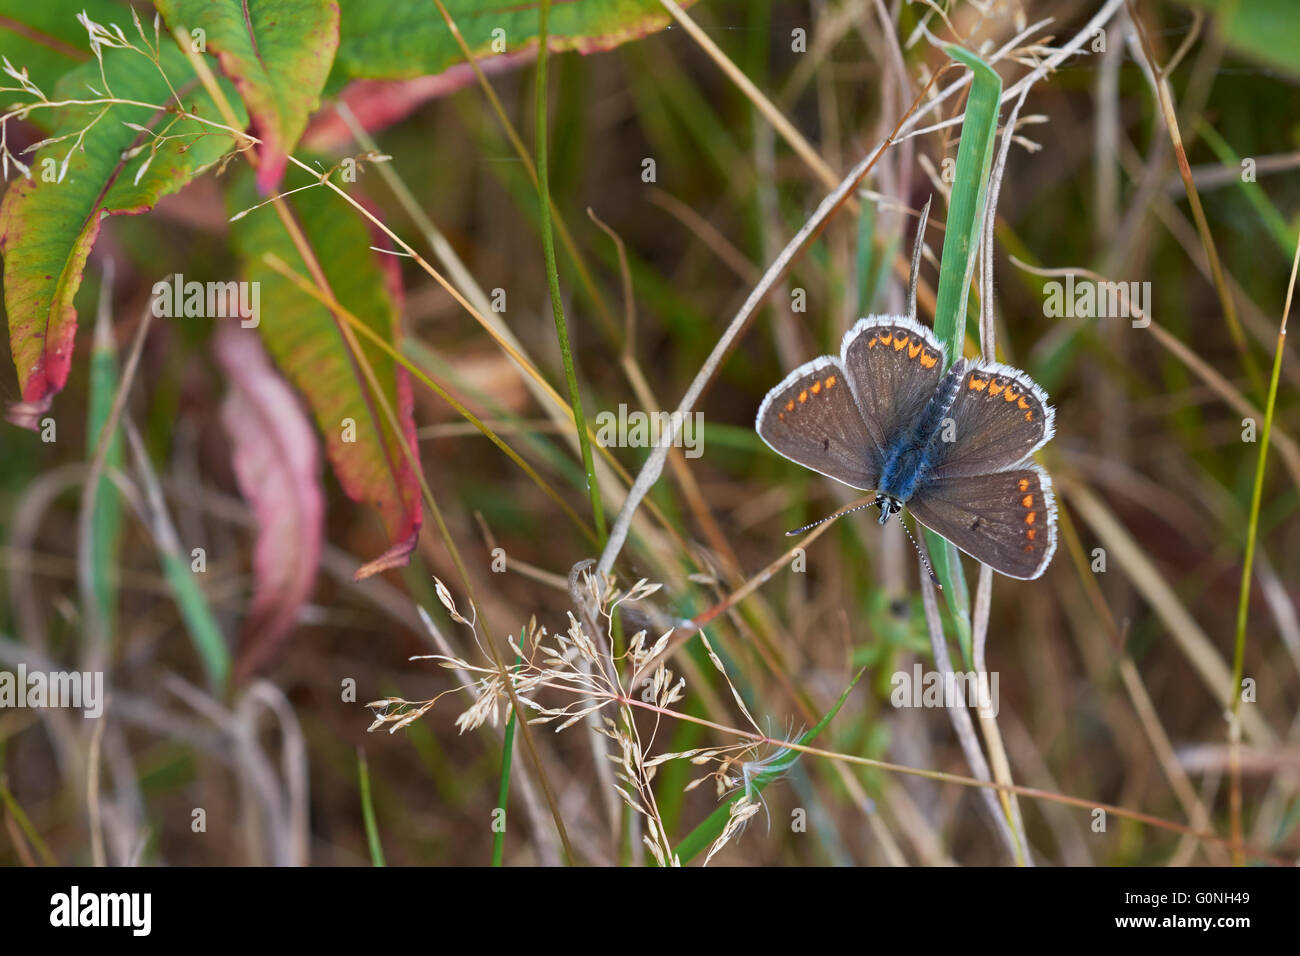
<point x="826" y="444"/>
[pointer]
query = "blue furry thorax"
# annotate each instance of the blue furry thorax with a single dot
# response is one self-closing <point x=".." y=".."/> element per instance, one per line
<point x="907" y="459"/>
<point x="906" y="462"/>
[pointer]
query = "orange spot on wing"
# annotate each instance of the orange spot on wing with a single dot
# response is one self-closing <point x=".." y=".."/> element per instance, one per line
<point x="900" y="343"/>
<point x="830" y="382"/>
<point x="1022" y="404"/>
<point x="1027" y="501"/>
<point x="885" y="337"/>
<point x="789" y="406"/>
<point x="1011" y="394"/>
<point x="1029" y="416"/>
<point x="928" y="359"/>
<point x="803" y="396"/>
<point x="914" y="350"/>
<point x="816" y="387"/>
<point x="871" y="343"/>
<point x="978" y="384"/>
<point x="1024" y="484"/>
<point x="1031" y="534"/>
<point x="1031" y="517"/>
<point x="994" y="388"/>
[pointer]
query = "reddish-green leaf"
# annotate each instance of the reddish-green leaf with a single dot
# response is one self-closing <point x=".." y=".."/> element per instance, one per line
<point x="278" y="52"/>
<point x="49" y="222"/>
<point x="305" y="341"/>
<point x="393" y="55"/>
<point x="396" y="39"/>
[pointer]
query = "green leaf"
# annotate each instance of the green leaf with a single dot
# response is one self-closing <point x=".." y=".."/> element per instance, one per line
<point x="396" y="39"/>
<point x="702" y="837"/>
<point x="46" y="39"/>
<point x="306" y="343"/>
<point x="277" y="52"/>
<point x="49" y="222"/>
<point x="1264" y="30"/>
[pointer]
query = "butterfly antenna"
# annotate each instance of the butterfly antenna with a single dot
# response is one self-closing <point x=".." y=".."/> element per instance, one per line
<point x="838" y="514"/>
<point x="921" y="554"/>
<point x="916" y="261"/>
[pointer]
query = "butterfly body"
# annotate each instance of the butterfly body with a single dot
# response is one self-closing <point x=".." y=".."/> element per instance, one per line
<point x="952" y="446"/>
<point x="907" y="460"/>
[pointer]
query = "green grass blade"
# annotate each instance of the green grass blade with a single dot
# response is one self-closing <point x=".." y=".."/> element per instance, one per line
<point x="503" y="791"/>
<point x="202" y="626"/>
<point x="203" y="629"/>
<point x="1257" y="493"/>
<point x="25" y="824"/>
<point x="1253" y="191"/>
<point x="960" y="241"/>
<point x="106" y="523"/>
<point x="368" y="812"/>
<point x="961" y="235"/>
<point x="702" y="837"/>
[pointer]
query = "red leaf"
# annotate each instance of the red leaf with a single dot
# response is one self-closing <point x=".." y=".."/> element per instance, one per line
<point x="277" y="464"/>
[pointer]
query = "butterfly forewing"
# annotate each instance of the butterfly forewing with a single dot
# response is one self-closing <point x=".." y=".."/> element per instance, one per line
<point x="894" y="365"/>
<point x="811" y="418"/>
<point x="1006" y="519"/>
<point x="998" y="419"/>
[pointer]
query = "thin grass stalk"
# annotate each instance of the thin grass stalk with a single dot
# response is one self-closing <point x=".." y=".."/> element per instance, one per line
<point x="995" y="802"/>
<point x="503" y="790"/>
<point x="1243" y="604"/>
<point x="517" y="143"/>
<point x="553" y="277"/>
<point x="1164" y="99"/>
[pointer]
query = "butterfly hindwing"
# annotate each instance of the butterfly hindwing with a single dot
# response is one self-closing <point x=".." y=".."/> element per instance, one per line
<point x="811" y="418"/>
<point x="999" y="418"/>
<point x="1006" y="519"/>
<point x="894" y="365"/>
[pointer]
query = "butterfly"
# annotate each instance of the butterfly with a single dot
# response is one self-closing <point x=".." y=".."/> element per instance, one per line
<point x="952" y="446"/>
